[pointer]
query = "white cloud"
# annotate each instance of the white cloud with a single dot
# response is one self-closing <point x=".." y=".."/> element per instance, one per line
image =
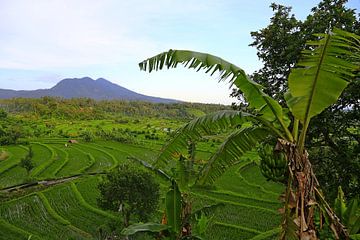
<point x="51" y="34"/>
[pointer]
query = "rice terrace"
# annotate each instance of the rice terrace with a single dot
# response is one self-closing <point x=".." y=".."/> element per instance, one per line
<point x="86" y="158"/>
<point x="61" y="189"/>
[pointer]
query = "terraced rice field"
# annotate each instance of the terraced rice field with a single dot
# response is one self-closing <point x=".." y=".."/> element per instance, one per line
<point x="250" y="210"/>
<point x="69" y="210"/>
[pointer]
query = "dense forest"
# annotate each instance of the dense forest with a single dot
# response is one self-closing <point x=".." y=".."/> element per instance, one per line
<point x="86" y="108"/>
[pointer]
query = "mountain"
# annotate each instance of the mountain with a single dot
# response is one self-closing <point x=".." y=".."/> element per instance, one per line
<point x="99" y="89"/>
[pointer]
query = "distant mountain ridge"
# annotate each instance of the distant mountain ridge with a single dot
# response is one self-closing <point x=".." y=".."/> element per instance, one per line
<point x="99" y="89"/>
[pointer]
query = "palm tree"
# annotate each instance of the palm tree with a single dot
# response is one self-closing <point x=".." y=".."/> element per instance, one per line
<point x="323" y="72"/>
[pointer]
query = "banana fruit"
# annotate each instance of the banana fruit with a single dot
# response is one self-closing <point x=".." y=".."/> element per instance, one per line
<point x="273" y="164"/>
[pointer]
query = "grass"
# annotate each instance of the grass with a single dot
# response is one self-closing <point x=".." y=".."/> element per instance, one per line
<point x="247" y="187"/>
<point x="66" y="203"/>
<point x="219" y="231"/>
<point x="30" y="215"/>
<point x="102" y="159"/>
<point x="86" y="205"/>
<point x="58" y="163"/>
<point x="15" y="154"/>
<point x="9" y="231"/>
<point x="42" y="156"/>
<point x="76" y="160"/>
<point x="45" y="164"/>
<point x="69" y="210"/>
<point x="88" y="190"/>
<point x="13" y="176"/>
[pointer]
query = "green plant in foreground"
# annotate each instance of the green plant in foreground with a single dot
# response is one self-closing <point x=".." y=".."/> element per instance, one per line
<point x="324" y="70"/>
<point x="178" y="215"/>
<point x="348" y="213"/>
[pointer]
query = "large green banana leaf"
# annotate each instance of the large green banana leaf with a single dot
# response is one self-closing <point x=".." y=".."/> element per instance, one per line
<point x="268" y="109"/>
<point x="234" y="147"/>
<point x="195" y="129"/>
<point x="322" y="73"/>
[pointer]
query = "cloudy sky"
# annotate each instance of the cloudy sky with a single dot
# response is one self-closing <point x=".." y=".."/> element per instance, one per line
<point x="42" y="41"/>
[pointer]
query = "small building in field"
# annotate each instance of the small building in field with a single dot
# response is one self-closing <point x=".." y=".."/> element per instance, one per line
<point x="72" y="141"/>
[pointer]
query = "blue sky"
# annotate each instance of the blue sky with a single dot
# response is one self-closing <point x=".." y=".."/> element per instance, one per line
<point x="42" y="42"/>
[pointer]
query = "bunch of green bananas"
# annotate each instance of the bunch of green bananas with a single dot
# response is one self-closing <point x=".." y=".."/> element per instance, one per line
<point x="273" y="165"/>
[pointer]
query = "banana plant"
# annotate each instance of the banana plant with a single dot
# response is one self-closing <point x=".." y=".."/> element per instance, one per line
<point x="323" y="72"/>
<point x="176" y="221"/>
<point x="348" y="213"/>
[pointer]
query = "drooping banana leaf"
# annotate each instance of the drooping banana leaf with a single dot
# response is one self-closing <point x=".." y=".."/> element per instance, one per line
<point x="195" y="129"/>
<point x="235" y="146"/>
<point x="269" y="109"/>
<point x="340" y="205"/>
<point x="322" y="73"/>
<point x="352" y="216"/>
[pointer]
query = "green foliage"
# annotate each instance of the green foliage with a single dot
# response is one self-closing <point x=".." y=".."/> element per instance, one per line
<point x="47" y="108"/>
<point x="327" y="65"/>
<point x="87" y="205"/>
<point x="269" y="110"/>
<point x="75" y="161"/>
<point x="10" y="231"/>
<point x="328" y="58"/>
<point x="174" y="203"/>
<point x="29" y="214"/>
<point x="348" y="213"/>
<point x="332" y="147"/>
<point x="231" y="151"/>
<point x="76" y="202"/>
<point x="87" y="136"/>
<point x="3" y="114"/>
<point x="46" y="163"/>
<point x="252" y="92"/>
<point x="65" y="202"/>
<point x="27" y="162"/>
<point x="131" y="192"/>
<point x="51" y="210"/>
<point x="11" y="135"/>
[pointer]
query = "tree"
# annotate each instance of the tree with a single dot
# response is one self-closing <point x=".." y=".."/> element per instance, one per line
<point x="176" y="222"/>
<point x="322" y="73"/>
<point x="87" y="135"/>
<point x="331" y="145"/>
<point x="279" y="45"/>
<point x="129" y="191"/>
<point x="26" y="162"/>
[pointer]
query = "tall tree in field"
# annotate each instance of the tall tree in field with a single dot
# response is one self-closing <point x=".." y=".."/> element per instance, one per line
<point x="332" y="142"/>
<point x="325" y="68"/>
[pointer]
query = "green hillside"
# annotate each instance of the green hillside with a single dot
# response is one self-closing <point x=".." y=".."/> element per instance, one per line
<point x="67" y="209"/>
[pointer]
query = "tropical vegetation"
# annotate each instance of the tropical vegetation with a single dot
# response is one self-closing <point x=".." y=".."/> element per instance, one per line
<point x="332" y="139"/>
<point x="282" y="163"/>
<point x="324" y="70"/>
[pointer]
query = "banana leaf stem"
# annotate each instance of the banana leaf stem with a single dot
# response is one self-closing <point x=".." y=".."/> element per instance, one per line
<point x="295" y="131"/>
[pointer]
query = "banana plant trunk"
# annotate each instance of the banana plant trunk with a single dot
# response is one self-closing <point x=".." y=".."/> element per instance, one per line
<point x="303" y="196"/>
<point x="186" y="229"/>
